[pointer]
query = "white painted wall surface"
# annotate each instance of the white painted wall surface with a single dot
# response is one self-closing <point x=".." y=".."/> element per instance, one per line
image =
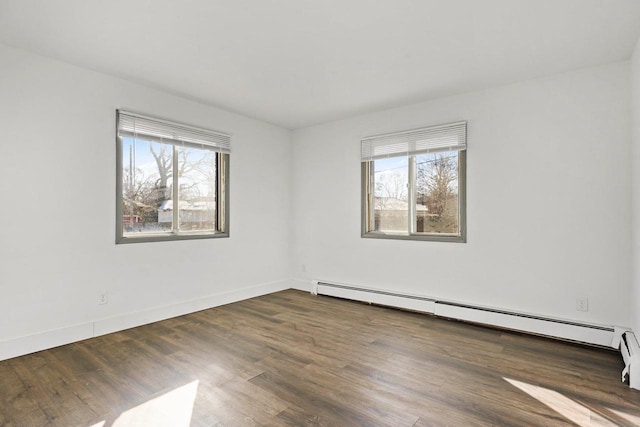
<point x="635" y="188"/>
<point x="548" y="200"/>
<point x="57" y="183"/>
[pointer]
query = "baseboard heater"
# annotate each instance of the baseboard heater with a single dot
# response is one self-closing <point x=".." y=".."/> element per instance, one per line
<point x="628" y="344"/>
<point x="555" y="328"/>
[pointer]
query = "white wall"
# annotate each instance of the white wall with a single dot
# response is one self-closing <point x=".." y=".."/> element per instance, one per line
<point x="57" y="182"/>
<point x="548" y="200"/>
<point x="635" y="99"/>
<point x="549" y="206"/>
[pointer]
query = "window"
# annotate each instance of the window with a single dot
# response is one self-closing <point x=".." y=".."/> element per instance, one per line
<point x="413" y="184"/>
<point x="172" y="180"/>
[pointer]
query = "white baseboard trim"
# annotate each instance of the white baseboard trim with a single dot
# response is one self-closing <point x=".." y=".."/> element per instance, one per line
<point x="132" y="320"/>
<point x="45" y="340"/>
<point x="525" y="322"/>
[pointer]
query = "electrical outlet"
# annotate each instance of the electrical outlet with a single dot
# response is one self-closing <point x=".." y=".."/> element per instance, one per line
<point x="304" y="268"/>
<point x="582" y="304"/>
<point x="103" y="298"/>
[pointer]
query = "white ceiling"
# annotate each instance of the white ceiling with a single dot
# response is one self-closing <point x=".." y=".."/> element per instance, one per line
<point x="300" y="62"/>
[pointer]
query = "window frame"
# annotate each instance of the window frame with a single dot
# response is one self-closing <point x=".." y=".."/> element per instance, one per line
<point x="368" y="216"/>
<point x="222" y="161"/>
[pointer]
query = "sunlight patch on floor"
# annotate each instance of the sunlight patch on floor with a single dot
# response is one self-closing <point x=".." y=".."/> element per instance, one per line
<point x="566" y="407"/>
<point x="172" y="409"/>
<point x="631" y="418"/>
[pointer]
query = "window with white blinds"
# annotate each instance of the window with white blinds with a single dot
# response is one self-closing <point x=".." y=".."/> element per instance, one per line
<point x="139" y="126"/>
<point x="414" y="184"/>
<point x="447" y="137"/>
<point x="172" y="180"/>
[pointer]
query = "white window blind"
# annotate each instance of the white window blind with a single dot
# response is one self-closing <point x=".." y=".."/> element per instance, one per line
<point x="447" y="137"/>
<point x="137" y="126"/>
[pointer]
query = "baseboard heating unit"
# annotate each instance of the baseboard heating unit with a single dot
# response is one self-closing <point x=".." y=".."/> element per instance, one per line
<point x="556" y="328"/>
<point x="628" y="344"/>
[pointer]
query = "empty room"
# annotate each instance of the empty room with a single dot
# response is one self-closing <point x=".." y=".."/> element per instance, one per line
<point x="320" y="213"/>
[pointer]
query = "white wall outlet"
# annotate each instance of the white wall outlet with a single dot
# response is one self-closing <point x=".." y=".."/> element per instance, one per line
<point x="304" y="268"/>
<point x="103" y="298"/>
<point x="582" y="304"/>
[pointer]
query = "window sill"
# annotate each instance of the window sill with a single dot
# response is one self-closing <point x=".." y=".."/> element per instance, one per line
<point x="167" y="237"/>
<point x="423" y="237"/>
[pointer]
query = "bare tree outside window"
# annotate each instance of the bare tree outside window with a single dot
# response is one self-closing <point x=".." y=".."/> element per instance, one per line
<point x="391" y="195"/>
<point x="146" y="175"/>
<point x="197" y="178"/>
<point x="437" y="191"/>
<point x="148" y="190"/>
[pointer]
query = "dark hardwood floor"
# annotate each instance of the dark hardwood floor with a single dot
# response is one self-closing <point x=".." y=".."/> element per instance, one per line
<point x="294" y="359"/>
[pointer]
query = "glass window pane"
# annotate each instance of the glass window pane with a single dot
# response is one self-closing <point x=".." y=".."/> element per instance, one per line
<point x="437" y="193"/>
<point x="146" y="186"/>
<point x="390" y="200"/>
<point x="197" y="189"/>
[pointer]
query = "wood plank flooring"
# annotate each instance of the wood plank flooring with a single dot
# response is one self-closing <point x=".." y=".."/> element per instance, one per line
<point x="294" y="359"/>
